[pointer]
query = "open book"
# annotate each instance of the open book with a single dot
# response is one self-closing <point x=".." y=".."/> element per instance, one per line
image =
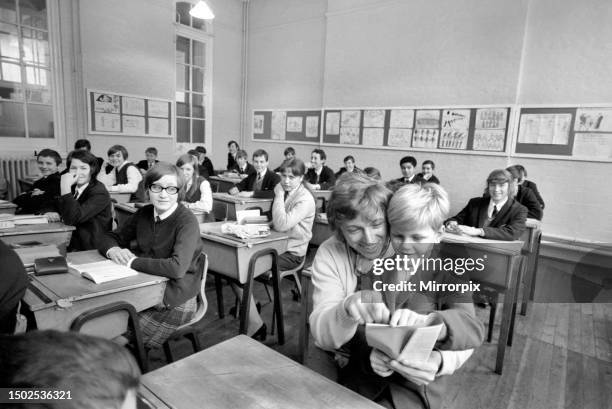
<point x="9" y="221"/>
<point x="103" y="271"/>
<point x="409" y="343"/>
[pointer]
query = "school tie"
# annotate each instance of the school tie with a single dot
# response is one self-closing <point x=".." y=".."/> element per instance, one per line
<point x="157" y="219"/>
<point x="259" y="177"/>
<point x="286" y="195"/>
<point x="494" y="212"/>
<point x="76" y="194"/>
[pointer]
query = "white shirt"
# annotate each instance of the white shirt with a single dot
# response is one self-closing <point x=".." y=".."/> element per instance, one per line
<point x="262" y="174"/>
<point x="498" y="205"/>
<point x="133" y="175"/>
<point x="79" y="190"/>
<point x="206" y="201"/>
<point x="166" y="214"/>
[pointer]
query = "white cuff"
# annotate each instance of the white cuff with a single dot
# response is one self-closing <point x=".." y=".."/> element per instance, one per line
<point x="129" y="263"/>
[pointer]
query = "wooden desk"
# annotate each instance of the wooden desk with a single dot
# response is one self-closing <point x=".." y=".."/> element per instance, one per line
<point x="243" y="373"/>
<point x="531" y="251"/>
<point x="501" y="272"/>
<point x="230" y="257"/>
<point x="231" y="204"/>
<point x="321" y="230"/>
<point x="7" y="207"/>
<point x="49" y="233"/>
<point x="225" y="183"/>
<point x="120" y="197"/>
<point x="123" y="211"/>
<point x="56" y="300"/>
<point x="321" y="199"/>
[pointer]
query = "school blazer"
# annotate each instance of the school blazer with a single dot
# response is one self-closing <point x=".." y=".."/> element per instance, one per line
<point x="527" y="198"/>
<point x="90" y="214"/>
<point x="270" y="180"/>
<point x="43" y="203"/>
<point x="534" y="187"/>
<point x="509" y="223"/>
<point x="144" y="165"/>
<point x="327" y="179"/>
<point x="247" y="171"/>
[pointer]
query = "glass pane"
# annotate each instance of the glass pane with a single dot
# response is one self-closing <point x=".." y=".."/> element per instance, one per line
<point x="198" y="80"/>
<point x="37" y="76"/>
<point x="199" y="51"/>
<point x="11" y="119"/>
<point x="182" y="130"/>
<point x="197" y="107"/>
<point x="11" y="90"/>
<point x="35" y="46"/>
<point x="198" y="24"/>
<point x="9" y="43"/>
<point x="198" y="131"/>
<point x="182" y="77"/>
<point x="10" y="72"/>
<point x="182" y="12"/>
<point x="39" y="95"/>
<point x="40" y="121"/>
<point x="182" y="104"/>
<point x="34" y="13"/>
<point x="182" y="50"/>
<point x="8" y="11"/>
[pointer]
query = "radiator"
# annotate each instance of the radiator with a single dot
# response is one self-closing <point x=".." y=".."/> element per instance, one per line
<point x="13" y="169"/>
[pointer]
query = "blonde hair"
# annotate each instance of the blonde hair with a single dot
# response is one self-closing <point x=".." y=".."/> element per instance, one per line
<point x="419" y="205"/>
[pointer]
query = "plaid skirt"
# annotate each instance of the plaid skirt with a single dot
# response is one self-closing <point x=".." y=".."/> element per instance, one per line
<point x="157" y="325"/>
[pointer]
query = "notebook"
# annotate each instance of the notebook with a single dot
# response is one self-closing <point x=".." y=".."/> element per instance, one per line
<point x="103" y="271"/>
<point x="410" y="343"/>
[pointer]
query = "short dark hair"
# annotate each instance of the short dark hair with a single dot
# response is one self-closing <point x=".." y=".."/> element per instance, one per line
<point x="429" y="162"/>
<point x="522" y="169"/>
<point x="50" y="153"/>
<point x="200" y="149"/>
<point x="321" y="153"/>
<point x="409" y="159"/>
<point x="349" y="157"/>
<point x="87" y="158"/>
<point x="193" y="152"/>
<point x="515" y="172"/>
<point x="501" y="176"/>
<point x="118" y="148"/>
<point x="97" y="371"/>
<point x="372" y="172"/>
<point x="82" y="143"/>
<point x="289" y="150"/>
<point x="242" y="154"/>
<point x="151" y="150"/>
<point x="233" y="142"/>
<point x="295" y="165"/>
<point x="162" y="169"/>
<point x="260" y="152"/>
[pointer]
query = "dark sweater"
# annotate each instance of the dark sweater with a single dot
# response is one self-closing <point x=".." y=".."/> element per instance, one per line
<point x="168" y="248"/>
<point x="43" y="203"/>
<point x="206" y="169"/>
<point x="326" y="179"/>
<point x="527" y="198"/>
<point x="534" y="187"/>
<point x="12" y="287"/>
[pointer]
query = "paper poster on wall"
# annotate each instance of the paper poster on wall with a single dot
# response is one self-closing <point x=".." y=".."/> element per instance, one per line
<point x="258" y="124"/>
<point x="399" y="137"/>
<point x="374" y="118"/>
<point x="491" y="118"/>
<point x="108" y="122"/>
<point x="279" y="124"/>
<point x="332" y="123"/>
<point x="134" y="124"/>
<point x="373" y="136"/>
<point x="427" y="118"/>
<point x="159" y="127"/>
<point x="455" y="119"/>
<point x="593" y="145"/>
<point x="453" y="139"/>
<point x="349" y="135"/>
<point x="133" y="106"/>
<point x="544" y="129"/>
<point x="350" y="119"/>
<point x="593" y="119"/>
<point x="312" y="126"/>
<point x="107" y="103"/>
<point x="294" y="124"/>
<point x="489" y="140"/>
<point x="158" y="108"/>
<point x="425" y="138"/>
<point x="402" y="118"/>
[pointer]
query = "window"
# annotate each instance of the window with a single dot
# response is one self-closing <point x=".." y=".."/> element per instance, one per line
<point x="193" y="77"/>
<point x="26" y="107"/>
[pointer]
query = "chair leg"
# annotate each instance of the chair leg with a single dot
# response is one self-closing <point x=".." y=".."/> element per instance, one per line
<point x="195" y="341"/>
<point x="219" y="291"/>
<point x="492" y="319"/>
<point x="278" y="306"/>
<point x="168" y="352"/>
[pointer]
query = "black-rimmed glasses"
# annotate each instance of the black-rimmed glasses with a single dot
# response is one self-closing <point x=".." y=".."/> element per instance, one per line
<point x="171" y="190"/>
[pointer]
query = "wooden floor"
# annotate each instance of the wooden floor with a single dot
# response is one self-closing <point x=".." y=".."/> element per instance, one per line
<point x="561" y="356"/>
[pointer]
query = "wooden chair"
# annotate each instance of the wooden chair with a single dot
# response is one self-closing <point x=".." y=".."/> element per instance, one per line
<point x="188" y="330"/>
<point x="220" y="210"/>
<point x="132" y="325"/>
<point x="295" y="273"/>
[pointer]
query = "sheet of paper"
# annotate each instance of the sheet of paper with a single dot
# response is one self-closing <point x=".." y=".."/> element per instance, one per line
<point x="258" y="124"/>
<point x="241" y="214"/>
<point x="312" y="126"/>
<point x="421" y="343"/>
<point x="332" y="123"/>
<point x="402" y="118"/>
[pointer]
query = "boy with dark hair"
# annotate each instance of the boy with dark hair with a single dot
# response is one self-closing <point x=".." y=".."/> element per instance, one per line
<point x="45" y="191"/>
<point x="319" y="176"/>
<point x="205" y="166"/>
<point x="258" y="184"/>
<point x="149" y="162"/>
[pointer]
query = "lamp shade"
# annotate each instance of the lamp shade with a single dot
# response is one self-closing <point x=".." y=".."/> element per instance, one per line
<point x="202" y="11"/>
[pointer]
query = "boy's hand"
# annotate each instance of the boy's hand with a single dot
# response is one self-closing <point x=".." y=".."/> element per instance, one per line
<point x="380" y="363"/>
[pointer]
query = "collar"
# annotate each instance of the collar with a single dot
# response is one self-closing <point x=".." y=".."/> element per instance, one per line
<point x="122" y="165"/>
<point x="81" y="189"/>
<point x="166" y="214"/>
<point x="318" y="172"/>
<point x="499" y="206"/>
<point x="263" y="174"/>
<point x="409" y="179"/>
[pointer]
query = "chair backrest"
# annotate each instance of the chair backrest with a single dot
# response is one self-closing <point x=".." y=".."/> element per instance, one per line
<point x="220" y="210"/>
<point x="214" y="186"/>
<point x="201" y="301"/>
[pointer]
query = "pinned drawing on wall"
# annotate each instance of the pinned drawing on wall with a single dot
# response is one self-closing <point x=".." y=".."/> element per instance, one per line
<point x="294" y="124"/>
<point x="258" y="124"/>
<point x="158" y="109"/>
<point x="373" y="136"/>
<point x="399" y="137"/>
<point x="593" y="146"/>
<point x="427" y="118"/>
<point x="593" y="120"/>
<point x="158" y="126"/>
<point x="134" y="124"/>
<point x="452" y="139"/>
<point x="491" y="118"/>
<point x="492" y="140"/>
<point x="350" y="118"/>
<point x="545" y="128"/>
<point x="133" y="106"/>
<point x="312" y="126"/>
<point x="107" y="103"/>
<point x="349" y="135"/>
<point x="108" y="122"/>
<point x="374" y="118"/>
<point x="425" y="138"/>
<point x="279" y="124"/>
<point x="402" y="118"/>
<point x="455" y="119"/>
<point x="332" y="123"/>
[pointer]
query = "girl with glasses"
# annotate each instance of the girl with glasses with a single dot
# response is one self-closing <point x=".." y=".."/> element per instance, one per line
<point x="168" y="245"/>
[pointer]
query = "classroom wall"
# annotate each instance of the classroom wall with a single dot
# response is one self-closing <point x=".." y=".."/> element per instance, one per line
<point x="385" y="53"/>
<point x="128" y="47"/>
